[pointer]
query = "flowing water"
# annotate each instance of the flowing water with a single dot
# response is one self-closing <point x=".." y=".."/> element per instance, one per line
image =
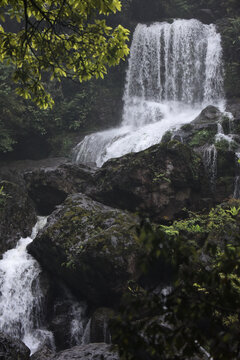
<point x="78" y="323"/>
<point x="210" y="162"/>
<point x="21" y="296"/>
<point x="174" y="71"/>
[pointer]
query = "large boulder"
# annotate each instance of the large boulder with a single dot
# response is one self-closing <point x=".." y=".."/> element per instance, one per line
<point x="215" y="136"/>
<point x="35" y="187"/>
<point x="88" y="352"/>
<point x="17" y="213"/>
<point x="43" y="354"/>
<point x="158" y="182"/>
<point x="90" y="246"/>
<point x="50" y="182"/>
<point x="12" y="349"/>
<point x="201" y="131"/>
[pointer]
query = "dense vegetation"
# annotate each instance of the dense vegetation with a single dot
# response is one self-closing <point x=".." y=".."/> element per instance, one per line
<point x="55" y="130"/>
<point x="196" y="309"/>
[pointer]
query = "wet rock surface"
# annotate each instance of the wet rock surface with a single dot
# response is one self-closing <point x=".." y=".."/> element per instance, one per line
<point x="88" y="352"/>
<point x="12" y="349"/>
<point x="17" y="213"/>
<point x="33" y="188"/>
<point x="49" y="186"/>
<point x="215" y="137"/>
<point x="90" y="246"/>
<point x="44" y="354"/>
<point x="158" y="182"/>
<point x="99" y="331"/>
<point x="200" y="131"/>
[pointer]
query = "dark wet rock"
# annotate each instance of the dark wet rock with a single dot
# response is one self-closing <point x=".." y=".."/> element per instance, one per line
<point x="49" y="186"/>
<point x="233" y="107"/>
<point x="67" y="322"/>
<point x="201" y="131"/>
<point x="99" y="330"/>
<point x="44" y="354"/>
<point x="17" y="213"/>
<point x="205" y="15"/>
<point x="60" y="324"/>
<point x="210" y="115"/>
<point x="158" y="182"/>
<point x="48" y="182"/>
<point x="91" y="247"/>
<point x="12" y="349"/>
<point x="88" y="352"/>
<point x="215" y="137"/>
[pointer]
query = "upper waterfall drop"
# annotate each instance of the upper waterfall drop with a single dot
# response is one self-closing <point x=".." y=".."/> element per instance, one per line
<point x="177" y="63"/>
<point x="175" y="70"/>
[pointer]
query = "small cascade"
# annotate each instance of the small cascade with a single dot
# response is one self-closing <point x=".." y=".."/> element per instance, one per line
<point x="210" y="162"/>
<point x="175" y="70"/>
<point x="78" y="323"/>
<point x="221" y="136"/>
<point x="21" y="296"/>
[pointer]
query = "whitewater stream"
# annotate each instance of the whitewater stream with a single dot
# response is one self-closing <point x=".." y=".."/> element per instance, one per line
<point x="21" y="296"/>
<point x="174" y="71"/>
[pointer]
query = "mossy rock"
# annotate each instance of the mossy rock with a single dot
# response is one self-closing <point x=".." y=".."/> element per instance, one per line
<point x="167" y="137"/>
<point x="157" y="182"/>
<point x="202" y="137"/>
<point x="91" y="247"/>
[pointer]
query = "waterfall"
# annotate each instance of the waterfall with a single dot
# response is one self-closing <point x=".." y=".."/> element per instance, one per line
<point x="174" y="71"/>
<point x="21" y="296"/>
<point x="210" y="162"/>
<point x="78" y="323"/>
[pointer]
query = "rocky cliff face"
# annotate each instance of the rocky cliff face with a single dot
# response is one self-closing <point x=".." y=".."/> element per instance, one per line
<point x="90" y="242"/>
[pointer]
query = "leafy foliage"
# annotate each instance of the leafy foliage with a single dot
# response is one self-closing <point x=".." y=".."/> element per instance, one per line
<point x="67" y="38"/>
<point x="73" y="112"/>
<point x="197" y="312"/>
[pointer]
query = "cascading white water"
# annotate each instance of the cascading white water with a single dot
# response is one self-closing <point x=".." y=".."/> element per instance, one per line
<point x="210" y="162"/>
<point x="21" y="296"/>
<point x="175" y="70"/>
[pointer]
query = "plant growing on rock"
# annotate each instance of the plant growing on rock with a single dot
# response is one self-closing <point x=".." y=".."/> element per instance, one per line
<point x="196" y="313"/>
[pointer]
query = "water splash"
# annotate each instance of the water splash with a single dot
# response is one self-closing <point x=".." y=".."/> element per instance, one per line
<point x="175" y="70"/>
<point x="21" y="296"/>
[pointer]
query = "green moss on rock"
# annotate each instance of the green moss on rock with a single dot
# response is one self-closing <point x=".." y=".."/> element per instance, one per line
<point x="92" y="246"/>
<point x="202" y="137"/>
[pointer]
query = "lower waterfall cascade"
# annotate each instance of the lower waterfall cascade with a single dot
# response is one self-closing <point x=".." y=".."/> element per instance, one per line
<point x="21" y="295"/>
<point x="175" y="70"/>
